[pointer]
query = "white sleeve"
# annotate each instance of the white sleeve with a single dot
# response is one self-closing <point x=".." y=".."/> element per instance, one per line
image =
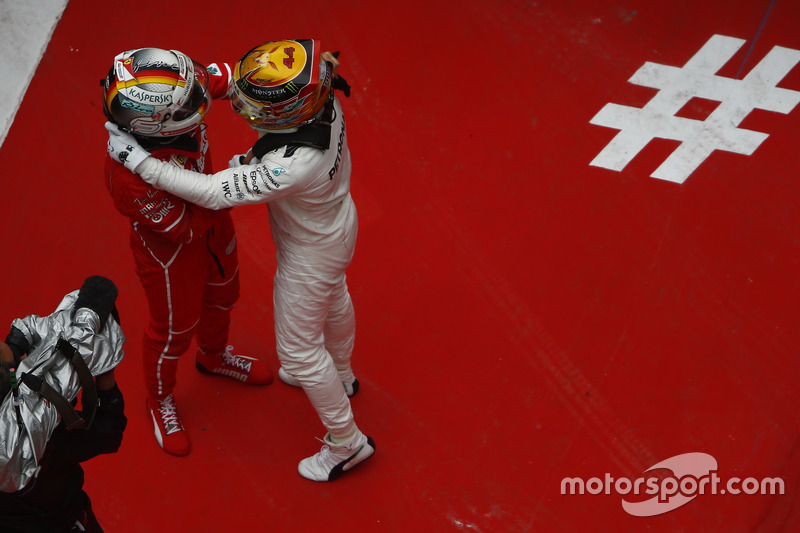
<point x="245" y="185"/>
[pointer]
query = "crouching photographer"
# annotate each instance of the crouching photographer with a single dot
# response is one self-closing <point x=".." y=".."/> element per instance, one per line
<point x="45" y="362"/>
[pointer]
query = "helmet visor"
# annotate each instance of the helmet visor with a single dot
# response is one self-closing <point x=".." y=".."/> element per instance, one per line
<point x="198" y="97"/>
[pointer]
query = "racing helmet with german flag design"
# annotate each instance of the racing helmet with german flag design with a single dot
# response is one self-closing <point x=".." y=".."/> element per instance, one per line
<point x="156" y="93"/>
<point x="281" y="84"/>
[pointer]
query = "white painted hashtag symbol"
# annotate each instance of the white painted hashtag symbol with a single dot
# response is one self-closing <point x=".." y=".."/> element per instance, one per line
<point x="699" y="138"/>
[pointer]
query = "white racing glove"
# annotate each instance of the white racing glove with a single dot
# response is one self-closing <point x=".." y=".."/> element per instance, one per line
<point x="236" y="161"/>
<point x="124" y="148"/>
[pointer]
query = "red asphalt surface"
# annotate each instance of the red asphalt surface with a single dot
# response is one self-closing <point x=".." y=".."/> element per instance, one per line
<point x="523" y="316"/>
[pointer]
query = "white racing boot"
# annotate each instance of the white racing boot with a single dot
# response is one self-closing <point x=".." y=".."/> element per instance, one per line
<point x="333" y="460"/>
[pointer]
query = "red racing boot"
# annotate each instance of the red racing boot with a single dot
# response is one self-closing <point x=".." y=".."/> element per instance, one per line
<point x="169" y="431"/>
<point x="242" y="368"/>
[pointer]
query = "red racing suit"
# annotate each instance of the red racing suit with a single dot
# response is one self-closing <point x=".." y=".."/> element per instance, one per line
<point x="185" y="256"/>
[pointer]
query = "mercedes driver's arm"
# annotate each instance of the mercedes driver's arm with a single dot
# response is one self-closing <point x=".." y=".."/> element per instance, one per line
<point x="249" y="184"/>
<point x="246" y="185"/>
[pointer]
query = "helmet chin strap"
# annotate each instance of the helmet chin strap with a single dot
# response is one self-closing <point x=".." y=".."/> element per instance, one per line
<point x="184" y="142"/>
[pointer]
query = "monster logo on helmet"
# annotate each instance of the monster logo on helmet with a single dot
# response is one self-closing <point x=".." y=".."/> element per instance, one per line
<point x="154" y="92"/>
<point x="281" y="84"/>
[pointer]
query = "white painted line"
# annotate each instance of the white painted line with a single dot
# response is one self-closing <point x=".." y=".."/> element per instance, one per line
<point x="25" y="29"/>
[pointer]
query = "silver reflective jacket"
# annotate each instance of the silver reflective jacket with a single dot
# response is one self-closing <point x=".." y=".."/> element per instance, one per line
<point x="21" y="448"/>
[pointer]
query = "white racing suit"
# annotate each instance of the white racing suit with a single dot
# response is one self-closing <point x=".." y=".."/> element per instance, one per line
<point x="314" y="225"/>
<point x="21" y="449"/>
